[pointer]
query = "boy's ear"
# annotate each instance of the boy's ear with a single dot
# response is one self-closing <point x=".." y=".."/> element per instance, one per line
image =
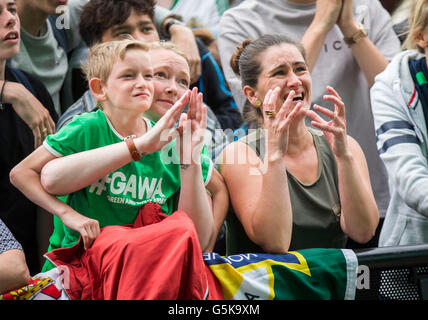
<point x="97" y="89"/>
<point x="251" y="95"/>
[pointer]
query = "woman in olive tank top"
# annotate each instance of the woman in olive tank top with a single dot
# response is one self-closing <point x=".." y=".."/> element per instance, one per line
<point x="291" y="186"/>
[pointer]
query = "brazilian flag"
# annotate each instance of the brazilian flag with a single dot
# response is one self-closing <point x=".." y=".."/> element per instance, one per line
<point x="309" y="274"/>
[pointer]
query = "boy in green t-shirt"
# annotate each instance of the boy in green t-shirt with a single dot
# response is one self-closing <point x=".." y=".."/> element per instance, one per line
<point x="110" y="162"/>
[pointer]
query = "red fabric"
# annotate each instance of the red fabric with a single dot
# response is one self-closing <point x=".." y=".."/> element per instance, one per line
<point x="159" y="257"/>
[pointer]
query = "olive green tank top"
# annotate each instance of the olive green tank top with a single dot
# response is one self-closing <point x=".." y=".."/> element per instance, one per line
<point x="316" y="207"/>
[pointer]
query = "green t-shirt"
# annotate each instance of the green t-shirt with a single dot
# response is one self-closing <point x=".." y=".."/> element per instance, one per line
<point x="117" y="198"/>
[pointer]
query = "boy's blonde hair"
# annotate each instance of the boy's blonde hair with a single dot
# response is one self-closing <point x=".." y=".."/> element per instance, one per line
<point x="102" y="56"/>
<point x="418" y="20"/>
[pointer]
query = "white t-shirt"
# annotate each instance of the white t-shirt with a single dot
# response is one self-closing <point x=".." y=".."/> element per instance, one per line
<point x="202" y="14"/>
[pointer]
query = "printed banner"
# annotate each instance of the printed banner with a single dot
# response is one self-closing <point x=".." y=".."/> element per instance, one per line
<point x="305" y="274"/>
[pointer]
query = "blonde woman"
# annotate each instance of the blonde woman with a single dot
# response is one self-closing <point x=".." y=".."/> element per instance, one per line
<point x="400" y="103"/>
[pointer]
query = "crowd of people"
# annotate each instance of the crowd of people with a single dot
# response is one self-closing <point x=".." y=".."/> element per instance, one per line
<point x="272" y="125"/>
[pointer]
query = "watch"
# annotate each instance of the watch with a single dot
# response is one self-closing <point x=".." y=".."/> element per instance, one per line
<point x="357" y="36"/>
<point x="167" y="34"/>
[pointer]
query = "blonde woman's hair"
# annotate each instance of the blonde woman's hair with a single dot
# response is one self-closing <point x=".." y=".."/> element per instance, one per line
<point x="102" y="56"/>
<point x="418" y="20"/>
<point x="168" y="46"/>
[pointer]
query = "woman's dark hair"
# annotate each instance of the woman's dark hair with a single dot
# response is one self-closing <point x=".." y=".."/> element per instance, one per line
<point x="246" y="64"/>
<point x="100" y="15"/>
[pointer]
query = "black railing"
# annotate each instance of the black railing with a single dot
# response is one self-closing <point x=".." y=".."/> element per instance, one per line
<point x="395" y="273"/>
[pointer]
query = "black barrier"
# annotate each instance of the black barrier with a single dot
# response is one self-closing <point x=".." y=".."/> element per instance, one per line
<point x="395" y="273"/>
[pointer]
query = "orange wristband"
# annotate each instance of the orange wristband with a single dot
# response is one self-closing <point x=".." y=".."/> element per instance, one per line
<point x="136" y="156"/>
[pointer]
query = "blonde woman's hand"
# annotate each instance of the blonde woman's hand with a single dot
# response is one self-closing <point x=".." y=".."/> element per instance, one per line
<point x="191" y="130"/>
<point x="163" y="133"/>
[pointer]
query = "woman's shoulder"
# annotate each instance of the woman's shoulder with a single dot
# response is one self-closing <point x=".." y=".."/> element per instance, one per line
<point x="234" y="147"/>
<point x="239" y="152"/>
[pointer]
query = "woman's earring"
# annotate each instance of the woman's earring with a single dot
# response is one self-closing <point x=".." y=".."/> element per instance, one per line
<point x="258" y="103"/>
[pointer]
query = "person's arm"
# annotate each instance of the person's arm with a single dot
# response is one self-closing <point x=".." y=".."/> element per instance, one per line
<point x="25" y="176"/>
<point x="216" y="94"/>
<point x="230" y="35"/>
<point x="14" y="272"/>
<point x="260" y="199"/>
<point x="370" y="60"/>
<point x="68" y="174"/>
<point x="29" y="109"/>
<point x="193" y="198"/>
<point x="360" y="216"/>
<point x="184" y="39"/>
<point x="160" y="18"/>
<point x="220" y="204"/>
<point x="259" y="190"/>
<point x="41" y="175"/>
<point x="326" y="15"/>
<point x="181" y="36"/>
